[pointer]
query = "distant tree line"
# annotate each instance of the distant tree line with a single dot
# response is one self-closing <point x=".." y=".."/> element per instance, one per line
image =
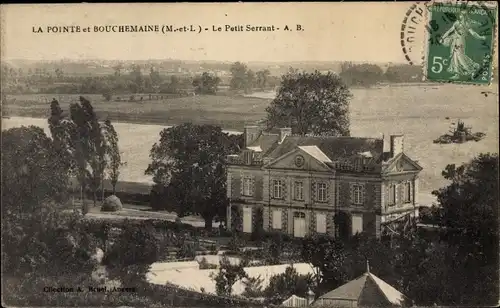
<point x="246" y="80"/>
<point x="366" y="75"/>
<point x="134" y="81"/>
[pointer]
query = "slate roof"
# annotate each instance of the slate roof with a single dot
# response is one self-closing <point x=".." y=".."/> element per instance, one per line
<point x="355" y="289"/>
<point x="335" y="148"/>
<point x="266" y="141"/>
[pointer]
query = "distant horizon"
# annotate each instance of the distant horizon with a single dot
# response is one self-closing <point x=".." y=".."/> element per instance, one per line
<point x="190" y="60"/>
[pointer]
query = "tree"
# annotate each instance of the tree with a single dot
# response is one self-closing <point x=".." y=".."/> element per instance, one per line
<point x="59" y="73"/>
<point x="68" y="146"/>
<point x="364" y="75"/>
<point x="311" y="103"/>
<point x="469" y="206"/>
<point x="174" y="84"/>
<point x="137" y="78"/>
<point x="118" y="69"/>
<point x="107" y="94"/>
<point x="287" y="284"/>
<point x="206" y="84"/>
<point x="81" y="141"/>
<point x="404" y="73"/>
<point x="60" y="128"/>
<point x="263" y="78"/>
<point x="238" y="76"/>
<point x="113" y="153"/>
<point x="328" y="256"/>
<point x="36" y="235"/>
<point x="227" y="276"/>
<point x="32" y="171"/>
<point x="191" y="158"/>
<point x="253" y="287"/>
<point x="155" y="77"/>
<point x="250" y="81"/>
<point x="95" y="143"/>
<point x="131" y="256"/>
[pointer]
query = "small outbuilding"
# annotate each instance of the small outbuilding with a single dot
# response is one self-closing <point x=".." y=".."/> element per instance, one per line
<point x="365" y="291"/>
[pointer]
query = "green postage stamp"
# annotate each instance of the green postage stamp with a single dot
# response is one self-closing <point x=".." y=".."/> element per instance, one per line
<point x="461" y="42"/>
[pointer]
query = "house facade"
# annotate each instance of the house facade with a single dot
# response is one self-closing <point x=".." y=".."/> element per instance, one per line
<point x="319" y="184"/>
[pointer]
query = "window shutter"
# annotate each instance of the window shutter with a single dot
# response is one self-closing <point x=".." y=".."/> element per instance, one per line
<point x="363" y="192"/>
<point x="252" y="186"/>
<point x="411" y="191"/>
<point x="237" y="186"/>
<point x="327" y="199"/>
<point x="242" y="185"/>
<point x="398" y="193"/>
<point x="415" y="190"/>
<point x="229" y="186"/>
<point x="284" y="187"/>
<point x="351" y="189"/>
<point x="321" y="223"/>
<point x="277" y="219"/>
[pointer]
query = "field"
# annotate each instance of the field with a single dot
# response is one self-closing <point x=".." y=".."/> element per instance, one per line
<point x="419" y="112"/>
<point x="231" y="112"/>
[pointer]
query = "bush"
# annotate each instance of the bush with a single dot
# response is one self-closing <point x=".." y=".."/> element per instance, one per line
<point x="111" y="204"/>
<point x="187" y="251"/>
<point x="205" y="265"/>
<point x="236" y="243"/>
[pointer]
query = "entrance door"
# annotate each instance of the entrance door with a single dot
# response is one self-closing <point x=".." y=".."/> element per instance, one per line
<point x="299" y="224"/>
<point x="247" y="220"/>
<point x="343" y="225"/>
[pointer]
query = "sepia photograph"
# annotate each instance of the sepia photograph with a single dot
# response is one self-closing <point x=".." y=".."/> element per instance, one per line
<point x="202" y="155"/>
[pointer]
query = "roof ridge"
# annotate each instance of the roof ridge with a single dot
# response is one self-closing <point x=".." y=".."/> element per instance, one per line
<point x="331" y="137"/>
<point x="376" y="280"/>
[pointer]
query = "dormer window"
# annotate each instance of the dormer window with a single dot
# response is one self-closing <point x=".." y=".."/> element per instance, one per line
<point x="248" y="157"/>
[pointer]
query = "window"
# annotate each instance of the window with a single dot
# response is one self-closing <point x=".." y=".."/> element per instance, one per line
<point x="357" y="224"/>
<point x="248" y="156"/>
<point x="321" y="192"/>
<point x="391" y="198"/>
<point x="277" y="219"/>
<point x="358" y="194"/>
<point x="247" y="220"/>
<point x="278" y="189"/>
<point x="407" y="192"/>
<point x="299" y="191"/>
<point x="247" y="186"/>
<point x="320" y="223"/>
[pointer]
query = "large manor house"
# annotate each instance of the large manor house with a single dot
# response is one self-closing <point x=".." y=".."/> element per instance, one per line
<point x="319" y="184"/>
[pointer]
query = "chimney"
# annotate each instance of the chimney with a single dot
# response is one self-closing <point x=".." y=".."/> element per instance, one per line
<point x="250" y="134"/>
<point x="396" y="145"/>
<point x="284" y="131"/>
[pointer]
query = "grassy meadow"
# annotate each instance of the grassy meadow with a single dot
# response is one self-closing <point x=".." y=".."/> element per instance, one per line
<point x="418" y="112"/>
<point x="230" y="112"/>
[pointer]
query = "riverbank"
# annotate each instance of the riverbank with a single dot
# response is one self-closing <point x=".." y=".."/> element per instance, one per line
<point x="420" y="113"/>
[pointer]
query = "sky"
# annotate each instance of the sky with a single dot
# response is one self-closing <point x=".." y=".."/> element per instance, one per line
<point x="332" y="32"/>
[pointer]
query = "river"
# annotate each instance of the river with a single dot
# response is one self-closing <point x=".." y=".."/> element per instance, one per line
<point x="135" y="142"/>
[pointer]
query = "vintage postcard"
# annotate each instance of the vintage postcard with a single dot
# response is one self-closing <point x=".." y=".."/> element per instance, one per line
<point x="250" y="154"/>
